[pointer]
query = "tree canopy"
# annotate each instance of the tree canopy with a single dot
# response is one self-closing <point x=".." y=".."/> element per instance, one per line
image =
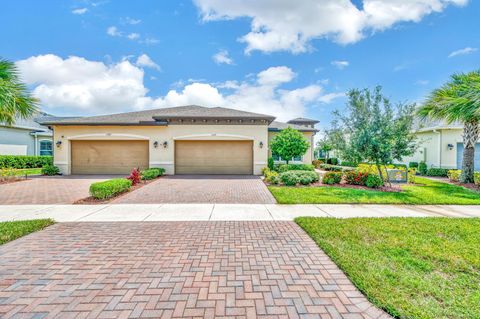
<point x="289" y="143"/>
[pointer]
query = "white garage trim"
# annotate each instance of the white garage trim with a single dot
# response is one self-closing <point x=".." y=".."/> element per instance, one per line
<point x="114" y="135"/>
<point x="202" y="136"/>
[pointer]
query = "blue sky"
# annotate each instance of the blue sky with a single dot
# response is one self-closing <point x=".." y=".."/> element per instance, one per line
<point x="94" y="57"/>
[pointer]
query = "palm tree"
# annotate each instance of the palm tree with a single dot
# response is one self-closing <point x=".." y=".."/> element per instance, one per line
<point x="459" y="101"/>
<point x="15" y="100"/>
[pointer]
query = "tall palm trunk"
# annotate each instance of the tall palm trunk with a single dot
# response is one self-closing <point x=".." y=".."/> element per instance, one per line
<point x="470" y="137"/>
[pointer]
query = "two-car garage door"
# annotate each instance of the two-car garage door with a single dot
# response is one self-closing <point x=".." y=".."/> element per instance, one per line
<point x="213" y="157"/>
<point x="108" y="157"/>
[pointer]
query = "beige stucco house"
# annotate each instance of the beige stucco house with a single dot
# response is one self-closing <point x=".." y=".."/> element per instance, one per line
<point x="183" y="140"/>
<point x="441" y="145"/>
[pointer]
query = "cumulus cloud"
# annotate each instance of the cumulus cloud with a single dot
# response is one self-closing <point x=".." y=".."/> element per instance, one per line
<point x="464" y="51"/>
<point x="75" y="85"/>
<point x="80" y="11"/>
<point x="114" y="32"/>
<point x="278" y="25"/>
<point x="340" y="64"/>
<point x="222" y="57"/>
<point x="145" y="61"/>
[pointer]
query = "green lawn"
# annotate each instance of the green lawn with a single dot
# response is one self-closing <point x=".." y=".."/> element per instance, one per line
<point x="410" y="267"/>
<point x="425" y="191"/>
<point x="12" y="230"/>
<point x="28" y="171"/>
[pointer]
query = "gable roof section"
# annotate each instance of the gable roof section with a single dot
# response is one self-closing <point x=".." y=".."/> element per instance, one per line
<point x="160" y="116"/>
<point x="303" y="120"/>
<point x="32" y="123"/>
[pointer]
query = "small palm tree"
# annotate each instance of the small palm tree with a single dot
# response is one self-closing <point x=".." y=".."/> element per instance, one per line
<point x="459" y="101"/>
<point x="15" y="100"/>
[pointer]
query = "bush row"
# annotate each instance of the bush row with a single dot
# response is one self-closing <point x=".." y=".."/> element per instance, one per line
<point x="24" y="161"/>
<point x="152" y="173"/>
<point x="291" y="177"/>
<point x="353" y="177"/>
<point x="110" y="188"/>
<point x="293" y="167"/>
<point x="454" y="176"/>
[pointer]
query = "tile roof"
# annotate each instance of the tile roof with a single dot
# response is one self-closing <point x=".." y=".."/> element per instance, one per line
<point x="277" y="126"/>
<point x="303" y="120"/>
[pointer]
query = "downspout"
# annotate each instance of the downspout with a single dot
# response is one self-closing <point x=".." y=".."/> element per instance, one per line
<point x="439" y="147"/>
<point x="35" y="144"/>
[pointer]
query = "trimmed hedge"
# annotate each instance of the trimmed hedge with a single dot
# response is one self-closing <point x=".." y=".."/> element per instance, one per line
<point x="294" y="177"/>
<point x="152" y="173"/>
<point x="422" y="168"/>
<point x="440" y="172"/>
<point x="294" y="167"/>
<point x="413" y="165"/>
<point x="331" y="178"/>
<point x="110" y="188"/>
<point x="348" y="164"/>
<point x="50" y="170"/>
<point x="24" y="161"/>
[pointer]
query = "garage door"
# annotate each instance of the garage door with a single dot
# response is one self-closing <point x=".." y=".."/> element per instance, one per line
<point x="108" y="157"/>
<point x="214" y="157"/>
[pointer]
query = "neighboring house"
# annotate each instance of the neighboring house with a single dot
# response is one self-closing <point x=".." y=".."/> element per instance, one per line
<point x="183" y="140"/>
<point x="26" y="137"/>
<point x="441" y="145"/>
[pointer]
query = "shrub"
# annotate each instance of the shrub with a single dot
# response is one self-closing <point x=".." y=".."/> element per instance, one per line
<point x="413" y="165"/>
<point x="348" y="164"/>
<point x="272" y="177"/>
<point x="291" y="178"/>
<point x="7" y="174"/>
<point x="110" y="188"/>
<point x="271" y="163"/>
<point x="265" y="170"/>
<point x="50" y="170"/>
<point x="331" y="178"/>
<point x="476" y="178"/>
<point x="151" y="173"/>
<point x="134" y="176"/>
<point x="454" y="175"/>
<point x="422" y="168"/>
<point x="356" y="178"/>
<point x="24" y="161"/>
<point x="161" y="170"/>
<point x="412" y="173"/>
<point x="374" y="181"/>
<point x="332" y="168"/>
<point x="317" y="163"/>
<point x="294" y="167"/>
<point x="440" y="172"/>
<point x="333" y="161"/>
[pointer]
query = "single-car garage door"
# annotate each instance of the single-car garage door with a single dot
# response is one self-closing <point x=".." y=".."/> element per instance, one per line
<point x="108" y="157"/>
<point x="213" y="157"/>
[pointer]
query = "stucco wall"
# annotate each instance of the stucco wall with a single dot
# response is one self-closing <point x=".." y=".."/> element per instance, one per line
<point x="161" y="157"/>
<point x="16" y="141"/>
<point x="434" y="148"/>
<point x="308" y="157"/>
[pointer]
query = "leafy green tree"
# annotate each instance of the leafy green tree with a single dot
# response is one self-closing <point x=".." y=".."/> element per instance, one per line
<point x="15" y="100"/>
<point x="458" y="101"/>
<point x="289" y="143"/>
<point x="373" y="130"/>
<point x="324" y="146"/>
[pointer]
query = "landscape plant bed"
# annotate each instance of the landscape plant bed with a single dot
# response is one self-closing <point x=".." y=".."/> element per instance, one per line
<point x="90" y="200"/>
<point x="394" y="188"/>
<point x="423" y="192"/>
<point x="410" y="267"/>
<point x="15" y="229"/>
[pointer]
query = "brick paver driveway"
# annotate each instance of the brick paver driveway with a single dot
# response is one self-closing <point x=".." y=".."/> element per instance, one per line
<point x="225" y="189"/>
<point x="174" y="269"/>
<point x="48" y="190"/>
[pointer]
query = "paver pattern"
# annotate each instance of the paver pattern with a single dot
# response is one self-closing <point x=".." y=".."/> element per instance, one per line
<point x="48" y="190"/>
<point x="174" y="269"/>
<point x="220" y="189"/>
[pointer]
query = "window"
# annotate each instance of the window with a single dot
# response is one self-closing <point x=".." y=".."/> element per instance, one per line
<point x="46" y="148"/>
<point x="277" y="158"/>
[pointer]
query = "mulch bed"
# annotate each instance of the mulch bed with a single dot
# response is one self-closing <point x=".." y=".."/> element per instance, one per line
<point x="93" y="201"/>
<point x="470" y="186"/>
<point x="395" y="188"/>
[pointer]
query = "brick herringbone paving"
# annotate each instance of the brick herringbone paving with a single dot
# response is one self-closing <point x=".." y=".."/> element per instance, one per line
<point x="225" y="189"/>
<point x="48" y="190"/>
<point x="174" y="269"/>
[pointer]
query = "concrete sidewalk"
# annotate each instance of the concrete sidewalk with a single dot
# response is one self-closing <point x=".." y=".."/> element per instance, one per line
<point x="216" y="212"/>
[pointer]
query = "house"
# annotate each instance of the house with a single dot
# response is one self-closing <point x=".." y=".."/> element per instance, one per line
<point x="26" y="137"/>
<point x="441" y="145"/>
<point x="184" y="140"/>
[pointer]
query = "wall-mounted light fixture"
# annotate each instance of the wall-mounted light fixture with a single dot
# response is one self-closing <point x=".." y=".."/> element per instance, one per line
<point x="450" y="147"/>
<point x="155" y="144"/>
<point x="165" y="144"/>
<point x="59" y="143"/>
<point x="260" y="144"/>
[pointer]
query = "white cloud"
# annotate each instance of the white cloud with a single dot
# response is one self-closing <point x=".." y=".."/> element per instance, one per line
<point x="150" y="41"/>
<point x="132" y="21"/>
<point x="114" y="32"/>
<point x="222" y="57"/>
<point x="133" y="36"/>
<point x="304" y="20"/>
<point x="145" y="61"/>
<point x="80" y="11"/>
<point x="464" y="51"/>
<point x="78" y="86"/>
<point x="340" y="64"/>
